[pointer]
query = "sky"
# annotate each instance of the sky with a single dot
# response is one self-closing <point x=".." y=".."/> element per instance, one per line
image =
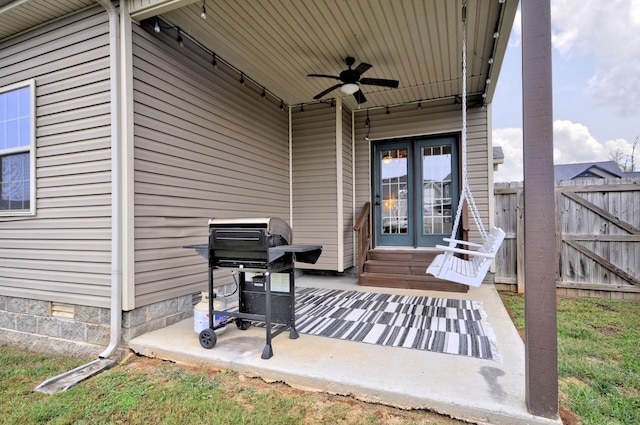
<point x="596" y="85"/>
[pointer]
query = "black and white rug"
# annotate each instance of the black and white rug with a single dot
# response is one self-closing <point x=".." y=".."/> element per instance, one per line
<point x="441" y="325"/>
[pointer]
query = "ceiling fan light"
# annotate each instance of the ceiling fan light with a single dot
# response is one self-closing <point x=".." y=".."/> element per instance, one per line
<point x="349" y="88"/>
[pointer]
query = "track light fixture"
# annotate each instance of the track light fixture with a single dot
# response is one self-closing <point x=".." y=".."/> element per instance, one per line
<point x="159" y="24"/>
<point x="203" y="15"/>
<point x="179" y="38"/>
<point x="367" y="124"/>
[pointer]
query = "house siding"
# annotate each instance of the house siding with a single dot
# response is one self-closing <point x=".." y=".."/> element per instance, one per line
<point x="315" y="182"/>
<point x="204" y="146"/>
<point x="347" y="191"/>
<point x="63" y="252"/>
<point x="408" y="121"/>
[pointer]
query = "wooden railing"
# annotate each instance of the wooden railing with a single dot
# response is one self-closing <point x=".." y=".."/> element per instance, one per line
<point x="363" y="232"/>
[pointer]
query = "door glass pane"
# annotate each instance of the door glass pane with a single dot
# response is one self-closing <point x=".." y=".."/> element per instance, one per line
<point x="394" y="167"/>
<point x="436" y="190"/>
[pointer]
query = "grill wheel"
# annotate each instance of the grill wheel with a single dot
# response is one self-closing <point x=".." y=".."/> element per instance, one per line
<point x="208" y="338"/>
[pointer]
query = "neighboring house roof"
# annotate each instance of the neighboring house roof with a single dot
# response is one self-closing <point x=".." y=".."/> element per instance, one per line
<point x="604" y="170"/>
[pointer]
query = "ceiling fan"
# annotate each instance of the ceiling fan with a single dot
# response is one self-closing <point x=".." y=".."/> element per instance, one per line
<point x="350" y="81"/>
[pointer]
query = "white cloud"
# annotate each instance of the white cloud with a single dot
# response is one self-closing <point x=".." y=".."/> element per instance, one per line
<point x="515" y="38"/>
<point x="510" y="139"/>
<point x="572" y="143"/>
<point x="608" y="32"/>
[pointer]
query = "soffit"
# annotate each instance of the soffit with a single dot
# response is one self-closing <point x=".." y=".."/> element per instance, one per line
<point x="21" y="15"/>
<point x="278" y="42"/>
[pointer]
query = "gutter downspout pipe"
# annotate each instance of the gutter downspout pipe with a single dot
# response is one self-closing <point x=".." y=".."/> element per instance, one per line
<point x="116" y="222"/>
<point x="68" y="379"/>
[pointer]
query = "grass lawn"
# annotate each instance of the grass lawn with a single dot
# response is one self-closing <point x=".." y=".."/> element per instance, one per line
<point x="599" y="368"/>
<point x="150" y="391"/>
<point x="598" y="358"/>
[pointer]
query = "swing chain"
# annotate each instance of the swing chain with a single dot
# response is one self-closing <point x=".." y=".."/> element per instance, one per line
<point x="466" y="191"/>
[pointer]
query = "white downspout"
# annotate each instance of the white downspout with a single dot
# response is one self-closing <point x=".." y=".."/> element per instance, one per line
<point x="116" y="223"/>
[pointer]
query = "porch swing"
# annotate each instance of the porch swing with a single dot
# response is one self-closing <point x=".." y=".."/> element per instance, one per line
<point x="470" y="265"/>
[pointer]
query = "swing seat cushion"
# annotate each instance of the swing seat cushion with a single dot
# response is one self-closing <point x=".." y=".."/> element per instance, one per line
<point x="469" y="271"/>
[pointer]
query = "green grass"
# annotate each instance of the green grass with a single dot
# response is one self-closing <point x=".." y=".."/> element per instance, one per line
<point x="149" y="391"/>
<point x="598" y="357"/>
<point x="598" y="362"/>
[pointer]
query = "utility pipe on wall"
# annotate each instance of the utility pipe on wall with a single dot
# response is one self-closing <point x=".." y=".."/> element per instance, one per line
<point x="116" y="222"/>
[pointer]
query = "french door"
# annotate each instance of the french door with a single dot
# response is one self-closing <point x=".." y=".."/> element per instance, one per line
<point x="415" y="190"/>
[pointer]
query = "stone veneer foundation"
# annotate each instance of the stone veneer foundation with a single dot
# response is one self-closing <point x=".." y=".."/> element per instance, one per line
<point x="85" y="332"/>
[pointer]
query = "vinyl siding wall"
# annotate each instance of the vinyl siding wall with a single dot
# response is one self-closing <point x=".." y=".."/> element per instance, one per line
<point x="347" y="184"/>
<point x="315" y="182"/>
<point x="63" y="252"/>
<point x="407" y="121"/>
<point x="205" y="146"/>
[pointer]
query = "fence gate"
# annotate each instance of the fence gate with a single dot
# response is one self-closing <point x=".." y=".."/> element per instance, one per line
<point x="597" y="235"/>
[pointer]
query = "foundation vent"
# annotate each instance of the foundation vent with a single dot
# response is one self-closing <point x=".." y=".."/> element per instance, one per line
<point x="62" y="310"/>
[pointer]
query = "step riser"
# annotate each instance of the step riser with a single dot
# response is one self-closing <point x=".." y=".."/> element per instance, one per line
<point x="431" y="284"/>
<point x="395" y="256"/>
<point x="396" y="269"/>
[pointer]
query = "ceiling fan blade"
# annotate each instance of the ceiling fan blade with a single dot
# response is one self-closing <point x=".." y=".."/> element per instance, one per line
<point x="362" y="68"/>
<point x="380" y="82"/>
<point x="324" y="76"/>
<point x="359" y="97"/>
<point x="330" y="89"/>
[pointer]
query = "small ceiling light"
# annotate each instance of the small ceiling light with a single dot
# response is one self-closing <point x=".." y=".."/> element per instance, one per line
<point x="500" y="1"/>
<point x="490" y="61"/>
<point x="156" y="27"/>
<point x="488" y="81"/>
<point x="242" y="79"/>
<point x="214" y="62"/>
<point x="179" y="38"/>
<point x="496" y="34"/>
<point x="203" y="15"/>
<point x="349" y="88"/>
<point x="387" y="158"/>
<point x="484" y="95"/>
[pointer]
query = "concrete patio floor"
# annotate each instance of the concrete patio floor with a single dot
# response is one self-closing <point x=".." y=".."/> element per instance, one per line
<point x="475" y="390"/>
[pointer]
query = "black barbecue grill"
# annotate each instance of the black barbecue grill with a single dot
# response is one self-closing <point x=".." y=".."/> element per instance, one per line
<point x="261" y="250"/>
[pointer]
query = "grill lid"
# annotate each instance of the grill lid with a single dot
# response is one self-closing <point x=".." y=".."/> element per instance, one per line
<point x="273" y="225"/>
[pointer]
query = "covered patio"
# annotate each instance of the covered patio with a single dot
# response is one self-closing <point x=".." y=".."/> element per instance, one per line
<point x="201" y="107"/>
<point x="471" y="389"/>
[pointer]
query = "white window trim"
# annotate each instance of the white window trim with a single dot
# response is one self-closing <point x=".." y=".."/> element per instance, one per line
<point x="31" y="149"/>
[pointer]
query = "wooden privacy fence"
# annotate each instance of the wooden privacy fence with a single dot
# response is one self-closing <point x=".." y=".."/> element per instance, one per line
<point x="597" y="237"/>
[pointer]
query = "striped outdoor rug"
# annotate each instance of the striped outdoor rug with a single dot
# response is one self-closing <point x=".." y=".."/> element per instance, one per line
<point x="425" y="323"/>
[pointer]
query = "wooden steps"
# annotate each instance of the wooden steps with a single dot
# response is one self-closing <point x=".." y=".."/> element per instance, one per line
<point x="404" y="268"/>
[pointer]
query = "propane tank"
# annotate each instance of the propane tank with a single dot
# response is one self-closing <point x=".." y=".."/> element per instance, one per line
<point x="201" y="313"/>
